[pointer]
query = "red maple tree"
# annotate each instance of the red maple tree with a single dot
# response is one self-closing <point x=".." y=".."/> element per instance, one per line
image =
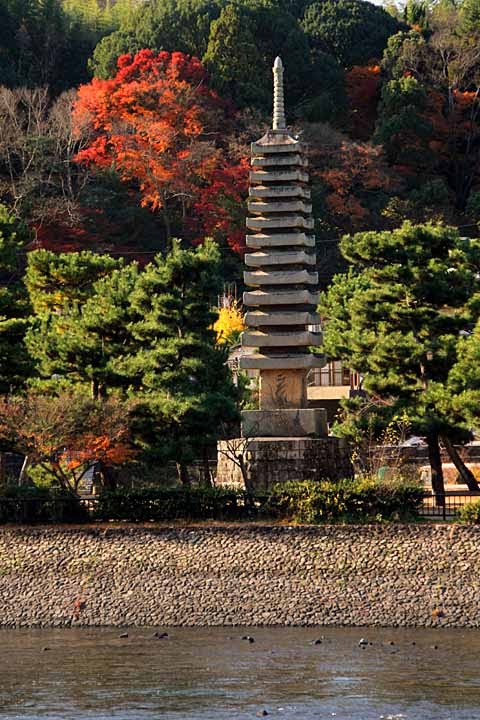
<point x="160" y="125"/>
<point x="67" y="435"/>
<point x="363" y="94"/>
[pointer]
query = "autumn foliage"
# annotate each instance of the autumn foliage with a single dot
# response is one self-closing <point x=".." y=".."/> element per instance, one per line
<point x="67" y="435"/>
<point x="353" y="177"/>
<point x="159" y="124"/>
<point x="229" y="324"/>
<point x="363" y="93"/>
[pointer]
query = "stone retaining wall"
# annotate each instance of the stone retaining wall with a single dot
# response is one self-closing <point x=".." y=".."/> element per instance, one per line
<point x="268" y="461"/>
<point x="370" y="575"/>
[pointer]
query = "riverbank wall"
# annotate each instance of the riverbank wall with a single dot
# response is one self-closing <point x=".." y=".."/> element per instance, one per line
<point x="391" y="575"/>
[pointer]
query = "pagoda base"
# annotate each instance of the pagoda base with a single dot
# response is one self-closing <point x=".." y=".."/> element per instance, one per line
<point x="256" y="464"/>
<point x="285" y="423"/>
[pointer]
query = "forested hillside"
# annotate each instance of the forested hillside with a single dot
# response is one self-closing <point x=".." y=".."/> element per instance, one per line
<point x="125" y="124"/>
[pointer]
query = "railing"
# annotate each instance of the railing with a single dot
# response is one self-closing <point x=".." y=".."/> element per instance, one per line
<point x="446" y="505"/>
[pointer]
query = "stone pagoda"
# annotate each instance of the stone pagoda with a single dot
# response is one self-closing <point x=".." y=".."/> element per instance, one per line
<point x="284" y="439"/>
<point x="282" y="298"/>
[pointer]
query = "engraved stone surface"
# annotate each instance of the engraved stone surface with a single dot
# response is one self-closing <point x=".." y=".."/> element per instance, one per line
<point x="280" y="389"/>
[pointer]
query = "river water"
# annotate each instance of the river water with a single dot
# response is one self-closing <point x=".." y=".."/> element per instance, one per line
<point x="212" y="673"/>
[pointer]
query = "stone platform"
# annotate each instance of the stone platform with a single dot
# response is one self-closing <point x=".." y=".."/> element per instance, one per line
<point x="269" y="460"/>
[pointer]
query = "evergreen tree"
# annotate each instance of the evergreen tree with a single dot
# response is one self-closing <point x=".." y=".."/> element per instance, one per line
<point x="251" y="35"/>
<point x="464" y="378"/>
<point x="84" y="343"/>
<point x="401" y="125"/>
<point x="396" y="320"/>
<point x="232" y="52"/>
<point x="172" y="25"/>
<point x="15" y="364"/>
<point x="52" y="279"/>
<point x="61" y="340"/>
<point x="177" y="372"/>
<point x="353" y="31"/>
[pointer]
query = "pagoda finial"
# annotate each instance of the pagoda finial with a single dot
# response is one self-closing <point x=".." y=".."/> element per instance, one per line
<point x="278" y="105"/>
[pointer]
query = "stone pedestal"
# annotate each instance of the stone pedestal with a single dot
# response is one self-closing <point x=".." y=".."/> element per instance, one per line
<point x="268" y="461"/>
<point x="301" y="423"/>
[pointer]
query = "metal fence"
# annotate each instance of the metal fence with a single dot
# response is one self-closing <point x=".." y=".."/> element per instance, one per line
<point x="446" y="505"/>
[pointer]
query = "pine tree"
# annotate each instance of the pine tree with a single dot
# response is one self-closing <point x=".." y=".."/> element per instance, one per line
<point x="55" y="278"/>
<point x="85" y="342"/>
<point x="61" y="339"/>
<point x="464" y="378"/>
<point x="179" y="374"/>
<point x="399" y="324"/>
<point x="14" y="360"/>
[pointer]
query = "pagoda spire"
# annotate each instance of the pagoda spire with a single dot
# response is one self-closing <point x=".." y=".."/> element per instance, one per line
<point x="278" y="100"/>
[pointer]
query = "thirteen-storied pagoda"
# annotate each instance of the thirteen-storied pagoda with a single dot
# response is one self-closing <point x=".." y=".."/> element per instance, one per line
<point x="284" y="439"/>
<point x="281" y="274"/>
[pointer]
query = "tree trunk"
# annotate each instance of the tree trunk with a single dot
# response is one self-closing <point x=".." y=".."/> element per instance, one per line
<point x="435" y="459"/>
<point x="465" y="473"/>
<point x="245" y="474"/>
<point x="109" y="477"/>
<point x="183" y="474"/>
<point x="23" y="471"/>
<point x="2" y="468"/>
<point x="166" y="220"/>
<point x="206" y="468"/>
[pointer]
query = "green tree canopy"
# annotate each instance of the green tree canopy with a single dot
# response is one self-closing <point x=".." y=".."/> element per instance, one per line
<point x="401" y="127"/>
<point x="59" y="286"/>
<point x="464" y="378"/>
<point x="52" y="279"/>
<point x="84" y="341"/>
<point x="15" y="363"/>
<point x="397" y="318"/>
<point x="250" y="36"/>
<point x="177" y="372"/>
<point x="353" y="31"/>
<point x="182" y="25"/>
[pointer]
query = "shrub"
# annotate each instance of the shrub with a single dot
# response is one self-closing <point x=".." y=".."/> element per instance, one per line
<point x="359" y="500"/>
<point x="159" y="504"/>
<point x="470" y="513"/>
<point x="309" y="502"/>
<point x="30" y="504"/>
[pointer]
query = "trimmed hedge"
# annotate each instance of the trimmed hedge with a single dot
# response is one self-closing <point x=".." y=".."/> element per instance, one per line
<point x="308" y="502"/>
<point x="361" y="500"/>
<point x="28" y="505"/>
<point x="159" y="504"/>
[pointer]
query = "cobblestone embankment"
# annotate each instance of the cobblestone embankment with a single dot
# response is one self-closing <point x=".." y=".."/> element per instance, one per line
<point x="398" y="575"/>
